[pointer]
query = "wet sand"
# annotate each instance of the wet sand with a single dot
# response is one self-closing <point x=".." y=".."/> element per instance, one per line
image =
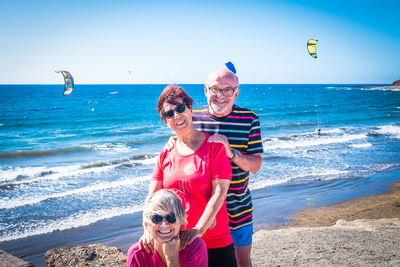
<point x="359" y="232"/>
<point x="380" y="206"/>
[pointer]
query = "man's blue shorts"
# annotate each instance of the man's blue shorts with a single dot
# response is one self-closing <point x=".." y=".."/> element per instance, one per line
<point x="243" y="236"/>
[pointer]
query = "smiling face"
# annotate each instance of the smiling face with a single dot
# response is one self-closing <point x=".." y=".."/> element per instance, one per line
<point x="219" y="104"/>
<point x="180" y="122"/>
<point x="164" y="231"/>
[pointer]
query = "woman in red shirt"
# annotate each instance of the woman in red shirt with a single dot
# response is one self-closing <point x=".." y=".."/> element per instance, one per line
<point x="200" y="173"/>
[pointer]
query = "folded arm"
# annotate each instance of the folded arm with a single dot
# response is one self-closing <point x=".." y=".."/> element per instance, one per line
<point x="220" y="188"/>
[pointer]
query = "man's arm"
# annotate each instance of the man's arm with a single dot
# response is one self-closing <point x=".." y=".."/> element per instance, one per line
<point x="251" y="163"/>
<point x="246" y="162"/>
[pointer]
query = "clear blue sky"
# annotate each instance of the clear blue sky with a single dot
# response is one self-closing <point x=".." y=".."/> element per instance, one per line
<point x="182" y="41"/>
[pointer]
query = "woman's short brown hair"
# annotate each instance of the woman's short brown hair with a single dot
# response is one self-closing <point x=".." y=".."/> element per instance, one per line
<point x="170" y="94"/>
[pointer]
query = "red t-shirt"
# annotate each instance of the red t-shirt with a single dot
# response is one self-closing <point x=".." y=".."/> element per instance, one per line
<point x="191" y="177"/>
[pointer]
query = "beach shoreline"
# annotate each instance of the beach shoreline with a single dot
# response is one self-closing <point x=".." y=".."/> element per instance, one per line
<point x="360" y="231"/>
<point x="370" y="207"/>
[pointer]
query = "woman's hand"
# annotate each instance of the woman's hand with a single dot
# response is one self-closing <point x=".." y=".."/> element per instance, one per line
<point x="187" y="236"/>
<point x="171" y="251"/>
<point x="146" y="242"/>
<point x="222" y="139"/>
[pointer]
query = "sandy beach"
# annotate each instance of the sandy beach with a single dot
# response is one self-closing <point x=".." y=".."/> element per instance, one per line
<point x="359" y="232"/>
<point x="365" y="242"/>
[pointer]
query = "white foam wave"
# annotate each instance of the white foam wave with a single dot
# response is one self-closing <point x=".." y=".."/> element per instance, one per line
<point x="13" y="173"/>
<point x="35" y="174"/>
<point x="264" y="183"/>
<point x="148" y="161"/>
<point x="391" y="130"/>
<point x="364" y="145"/>
<point x="347" y="88"/>
<point x="380" y="89"/>
<point x="311" y="140"/>
<point x="311" y="174"/>
<point x="10" y="203"/>
<point x="77" y="220"/>
<point x="22" y="175"/>
<point x="110" y="148"/>
<point x="366" y="88"/>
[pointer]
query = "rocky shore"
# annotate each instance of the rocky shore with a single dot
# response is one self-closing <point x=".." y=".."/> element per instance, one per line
<point x="7" y="260"/>
<point x="92" y="255"/>
<point x="395" y="85"/>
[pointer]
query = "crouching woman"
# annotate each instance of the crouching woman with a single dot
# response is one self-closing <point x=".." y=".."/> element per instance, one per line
<point x="164" y="217"/>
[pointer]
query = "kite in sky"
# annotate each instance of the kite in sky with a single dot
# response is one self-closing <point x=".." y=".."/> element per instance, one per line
<point x="68" y="81"/>
<point x="311" y="47"/>
<point x="230" y="66"/>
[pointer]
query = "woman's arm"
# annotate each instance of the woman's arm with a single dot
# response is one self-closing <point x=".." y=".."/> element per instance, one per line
<point x="155" y="185"/>
<point x="219" y="190"/>
<point x="146" y="241"/>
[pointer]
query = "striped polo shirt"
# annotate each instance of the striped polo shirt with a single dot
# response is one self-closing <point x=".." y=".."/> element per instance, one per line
<point x="242" y="128"/>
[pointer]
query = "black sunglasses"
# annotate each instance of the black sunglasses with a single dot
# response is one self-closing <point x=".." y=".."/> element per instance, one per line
<point x="178" y="109"/>
<point x="158" y="219"/>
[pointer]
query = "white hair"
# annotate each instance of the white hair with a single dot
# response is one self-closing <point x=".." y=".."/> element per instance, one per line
<point x="162" y="201"/>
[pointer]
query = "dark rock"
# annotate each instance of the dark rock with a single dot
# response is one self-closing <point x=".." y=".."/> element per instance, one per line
<point x="89" y="256"/>
<point x="51" y="260"/>
<point x="7" y="260"/>
<point x="73" y="262"/>
<point x="92" y="255"/>
<point x="396" y="83"/>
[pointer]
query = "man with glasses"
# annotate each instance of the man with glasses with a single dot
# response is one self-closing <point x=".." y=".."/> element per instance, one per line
<point x="238" y="129"/>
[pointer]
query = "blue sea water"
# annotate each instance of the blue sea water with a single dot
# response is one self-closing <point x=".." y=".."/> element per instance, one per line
<point x="70" y="161"/>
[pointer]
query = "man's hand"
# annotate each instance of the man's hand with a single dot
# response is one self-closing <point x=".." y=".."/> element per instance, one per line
<point x="146" y="242"/>
<point x="219" y="138"/>
<point x="187" y="236"/>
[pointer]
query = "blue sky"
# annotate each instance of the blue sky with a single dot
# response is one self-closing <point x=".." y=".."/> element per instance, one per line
<point x="124" y="41"/>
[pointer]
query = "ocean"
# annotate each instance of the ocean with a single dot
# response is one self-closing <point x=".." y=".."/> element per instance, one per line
<point x="71" y="162"/>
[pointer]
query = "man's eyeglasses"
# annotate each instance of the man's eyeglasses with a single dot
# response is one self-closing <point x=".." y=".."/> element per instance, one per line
<point x="227" y="91"/>
<point x="178" y="109"/>
<point x="158" y="219"/>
